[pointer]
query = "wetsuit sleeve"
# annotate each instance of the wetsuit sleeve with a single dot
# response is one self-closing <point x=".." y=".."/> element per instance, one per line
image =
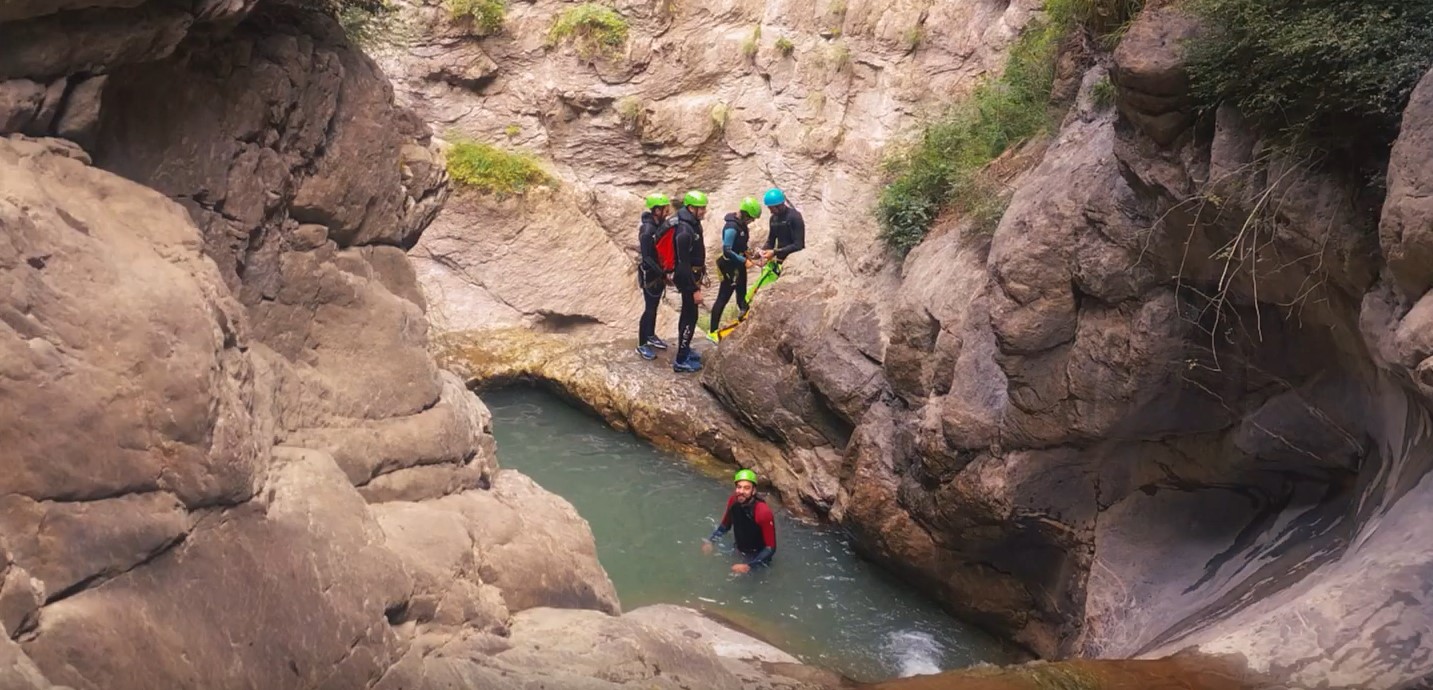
<point x="647" y="248"/>
<point x="770" y="237"/>
<point x="762" y="557"/>
<point x="725" y="521"/>
<point x="767" y="521"/>
<point x="798" y="238"/>
<point x="728" y="238"/>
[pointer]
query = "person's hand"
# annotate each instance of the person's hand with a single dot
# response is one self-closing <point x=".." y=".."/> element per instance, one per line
<point x="740" y="568"/>
<point x="706" y="547"/>
<point x="697" y="296"/>
<point x="748" y="263"/>
<point x="767" y="254"/>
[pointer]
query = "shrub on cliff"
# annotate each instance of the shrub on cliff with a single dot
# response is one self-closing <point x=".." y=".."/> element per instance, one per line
<point x="486" y="16"/>
<point x="372" y="24"/>
<point x="944" y="165"/>
<point x="1326" y="71"/>
<point x="489" y="169"/>
<point x="591" y="26"/>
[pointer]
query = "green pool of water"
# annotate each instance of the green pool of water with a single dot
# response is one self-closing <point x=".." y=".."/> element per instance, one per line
<point x="650" y="511"/>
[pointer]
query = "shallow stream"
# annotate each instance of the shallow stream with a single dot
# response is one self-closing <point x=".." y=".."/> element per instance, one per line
<point x="650" y="511"/>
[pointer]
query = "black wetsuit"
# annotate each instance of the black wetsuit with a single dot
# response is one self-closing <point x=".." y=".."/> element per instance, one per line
<point x="754" y="526"/>
<point x="786" y="233"/>
<point x="650" y="277"/>
<point x="731" y="267"/>
<point x="691" y="262"/>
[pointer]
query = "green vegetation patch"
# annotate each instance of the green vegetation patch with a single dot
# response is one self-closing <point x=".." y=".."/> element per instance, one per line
<point x="785" y="46"/>
<point x="593" y="28"/>
<point x="491" y="170"/>
<point x="1328" y="72"/>
<point x="752" y="44"/>
<point x="1103" y="92"/>
<point x="373" y="25"/>
<point x="944" y="165"/>
<point x="486" y="15"/>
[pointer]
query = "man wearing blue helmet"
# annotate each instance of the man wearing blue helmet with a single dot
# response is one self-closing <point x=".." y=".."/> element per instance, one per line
<point x="786" y="231"/>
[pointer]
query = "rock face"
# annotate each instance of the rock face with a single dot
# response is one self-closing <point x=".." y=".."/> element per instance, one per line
<point x="1156" y="411"/>
<point x="730" y="97"/>
<point x="1177" y="401"/>
<point x="229" y="460"/>
<point x="671" y="412"/>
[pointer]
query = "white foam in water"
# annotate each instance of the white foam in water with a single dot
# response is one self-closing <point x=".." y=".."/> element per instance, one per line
<point x="915" y="653"/>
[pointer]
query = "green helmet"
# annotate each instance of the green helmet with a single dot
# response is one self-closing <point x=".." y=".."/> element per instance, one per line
<point x="694" y="198"/>
<point x="751" y="207"/>
<point x="655" y="200"/>
<point x="744" y="476"/>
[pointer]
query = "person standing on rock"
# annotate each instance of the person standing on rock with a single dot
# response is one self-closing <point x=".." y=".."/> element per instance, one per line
<point x="691" y="267"/>
<point x="786" y="231"/>
<point x="751" y="521"/>
<point x="651" y="271"/>
<point x="732" y="264"/>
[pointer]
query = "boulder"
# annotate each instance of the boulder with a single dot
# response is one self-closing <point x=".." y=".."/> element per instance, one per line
<point x="167" y="624"/>
<point x="90" y="367"/>
<point x="66" y="546"/>
<point x="90" y="40"/>
<point x="533" y="546"/>
<point x="1404" y="232"/>
<point x="1149" y="70"/>
<point x="17" y="671"/>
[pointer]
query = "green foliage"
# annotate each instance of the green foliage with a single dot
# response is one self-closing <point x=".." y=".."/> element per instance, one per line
<point x="594" y="28"/>
<point x="1052" y="677"/>
<point x="512" y="130"/>
<point x="629" y="111"/>
<point x="1335" y="73"/>
<point x="491" y="170"/>
<point x="486" y="15"/>
<point x="1099" y="17"/>
<point x="719" y="115"/>
<point x="752" y="43"/>
<point x="785" y="46"/>
<point x="913" y="37"/>
<point x="945" y="165"/>
<point x="816" y="100"/>
<point x="840" y="56"/>
<point x="1103" y="92"/>
<point x="373" y="25"/>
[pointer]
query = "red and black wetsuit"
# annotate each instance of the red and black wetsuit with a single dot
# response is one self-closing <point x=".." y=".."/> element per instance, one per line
<point x="754" y="526"/>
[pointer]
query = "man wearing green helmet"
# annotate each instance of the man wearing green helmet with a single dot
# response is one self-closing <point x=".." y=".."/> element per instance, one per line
<point x="689" y="275"/>
<point x="750" y="520"/>
<point x="732" y="264"/>
<point x="651" y="275"/>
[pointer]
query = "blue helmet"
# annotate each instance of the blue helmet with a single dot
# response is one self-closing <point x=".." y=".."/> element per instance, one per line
<point x="773" y="197"/>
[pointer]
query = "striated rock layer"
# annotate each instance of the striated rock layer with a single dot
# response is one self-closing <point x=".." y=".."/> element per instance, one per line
<point x="228" y="459"/>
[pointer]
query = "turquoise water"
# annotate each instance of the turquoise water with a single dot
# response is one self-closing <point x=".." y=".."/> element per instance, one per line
<point x="650" y="511"/>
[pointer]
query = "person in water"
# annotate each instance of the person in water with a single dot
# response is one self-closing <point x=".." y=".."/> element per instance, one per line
<point x="749" y="518"/>
<point x="733" y="262"/>
<point x="786" y="231"/>
<point x="691" y="259"/>
<point x="651" y="277"/>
